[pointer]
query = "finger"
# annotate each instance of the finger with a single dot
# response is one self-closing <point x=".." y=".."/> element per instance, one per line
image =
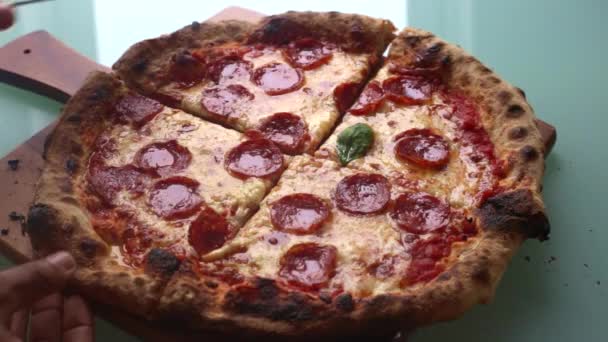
<point x="45" y="324"/>
<point x="23" y="285"/>
<point x="77" y="320"/>
<point x="19" y="323"/>
<point x="7" y="16"/>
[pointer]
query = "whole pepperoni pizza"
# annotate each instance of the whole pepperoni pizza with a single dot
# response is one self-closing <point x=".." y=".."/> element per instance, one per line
<point x="285" y="179"/>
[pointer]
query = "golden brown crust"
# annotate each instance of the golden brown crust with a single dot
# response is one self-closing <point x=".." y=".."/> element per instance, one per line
<point x="57" y="220"/>
<point x="143" y="66"/>
<point x="352" y="32"/>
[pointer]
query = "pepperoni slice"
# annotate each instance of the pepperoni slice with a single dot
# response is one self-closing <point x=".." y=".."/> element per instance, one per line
<point x="163" y="158"/>
<point x="425" y="255"/>
<point x="229" y="68"/>
<point x="369" y="100"/>
<point x="423" y="148"/>
<point x="407" y="90"/>
<point x="107" y="181"/>
<point x="137" y="109"/>
<point x="278" y="78"/>
<point x="175" y="198"/>
<point x="363" y="193"/>
<point x="308" y="265"/>
<point x="286" y="130"/>
<point x="186" y="70"/>
<point x="345" y="94"/>
<point x="420" y="213"/>
<point x="299" y="213"/>
<point x="307" y="53"/>
<point x="209" y="231"/>
<point x="254" y="158"/>
<point x="226" y="101"/>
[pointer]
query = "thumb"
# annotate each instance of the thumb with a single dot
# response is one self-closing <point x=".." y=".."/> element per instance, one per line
<point x="23" y="285"/>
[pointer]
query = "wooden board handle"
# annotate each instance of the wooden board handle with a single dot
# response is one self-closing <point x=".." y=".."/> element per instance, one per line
<point x="40" y="63"/>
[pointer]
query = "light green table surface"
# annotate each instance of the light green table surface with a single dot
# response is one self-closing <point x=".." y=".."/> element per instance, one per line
<point x="555" y="50"/>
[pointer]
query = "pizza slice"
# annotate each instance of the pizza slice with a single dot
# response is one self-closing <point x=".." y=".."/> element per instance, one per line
<point x="288" y="77"/>
<point x="132" y="187"/>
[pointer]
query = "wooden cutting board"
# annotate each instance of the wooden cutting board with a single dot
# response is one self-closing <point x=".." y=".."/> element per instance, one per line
<point x="40" y="63"/>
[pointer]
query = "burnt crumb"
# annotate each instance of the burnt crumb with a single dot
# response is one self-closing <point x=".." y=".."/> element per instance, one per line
<point x="15" y="216"/>
<point x="551" y="259"/>
<point x="590" y="230"/>
<point x="4" y="231"/>
<point x="527" y="258"/>
<point x="345" y="302"/>
<point x="598" y="283"/>
<point x="211" y="284"/>
<point x="565" y="284"/>
<point x="71" y="166"/>
<point x="13" y="164"/>
<point x="195" y="26"/>
<point x="586" y="265"/>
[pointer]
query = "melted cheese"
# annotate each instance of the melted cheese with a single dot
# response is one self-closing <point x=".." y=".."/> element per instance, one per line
<point x="359" y="240"/>
<point x="208" y="143"/>
<point x="458" y="182"/>
<point x="313" y="102"/>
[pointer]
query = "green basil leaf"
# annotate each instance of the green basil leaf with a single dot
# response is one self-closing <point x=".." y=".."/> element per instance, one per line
<point x="354" y="142"/>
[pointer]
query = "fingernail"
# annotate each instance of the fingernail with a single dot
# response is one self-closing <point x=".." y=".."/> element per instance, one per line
<point x="63" y="260"/>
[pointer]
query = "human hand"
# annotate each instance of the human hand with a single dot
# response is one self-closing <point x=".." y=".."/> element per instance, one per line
<point x="7" y="16"/>
<point x="36" y="287"/>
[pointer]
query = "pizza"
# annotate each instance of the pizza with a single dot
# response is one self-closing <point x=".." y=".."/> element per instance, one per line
<point x="283" y="179"/>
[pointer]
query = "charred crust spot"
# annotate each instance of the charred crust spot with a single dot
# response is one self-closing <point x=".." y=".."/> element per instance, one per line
<point x="140" y="65"/>
<point x="195" y="26"/>
<point x="13" y="164"/>
<point x="504" y="97"/>
<point x="325" y="297"/>
<point x="267" y="288"/>
<point x="71" y="166"/>
<point x="264" y="299"/>
<point x="493" y="80"/>
<point x="484" y="69"/>
<point x="465" y="80"/>
<point x="74" y="118"/>
<point x="517" y="133"/>
<point x="481" y="275"/>
<point x="515" y="211"/>
<point x="42" y="220"/>
<point x="88" y="247"/>
<point x="521" y="92"/>
<point x="345" y="302"/>
<point x="412" y="40"/>
<point x="101" y="93"/>
<point x="139" y="282"/>
<point x="445" y="276"/>
<point x="162" y="262"/>
<point x="515" y="111"/>
<point x="211" y="284"/>
<point x="529" y="153"/>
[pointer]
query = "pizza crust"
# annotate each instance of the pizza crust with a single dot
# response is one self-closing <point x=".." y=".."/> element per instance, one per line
<point x="142" y="66"/>
<point x="56" y="221"/>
